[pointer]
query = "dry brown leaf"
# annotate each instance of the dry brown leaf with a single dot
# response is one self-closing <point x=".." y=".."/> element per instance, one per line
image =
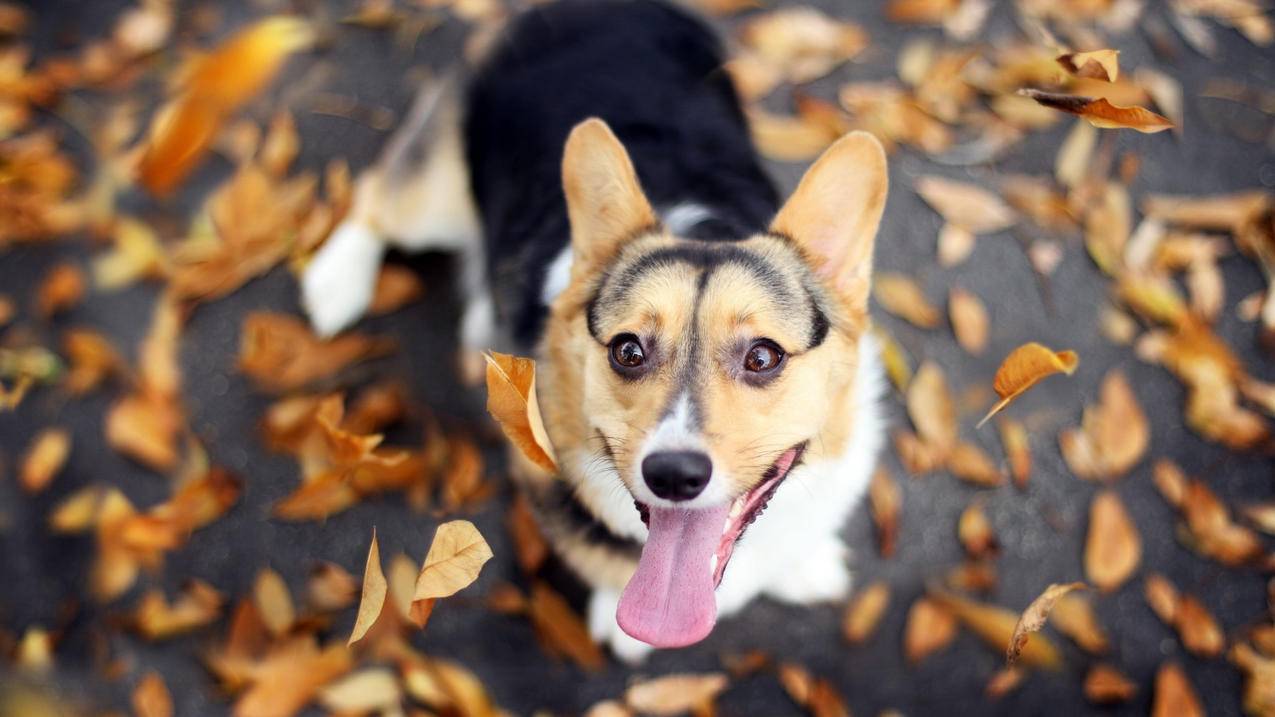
<point x="372" y="600"/>
<point x="1209" y="528"/>
<point x="290" y="676"/>
<point x="560" y="630"/>
<point x="1174" y="695"/>
<point x="1108" y="224"/>
<point x="1034" y="617"/>
<point x="1101" y="113"/>
<point x="197" y="605"/>
<point x="814" y="694"/>
<point x="676" y="694"/>
<point x="1017" y="446"/>
<point x="151" y="697"/>
<point x="331" y="587"/>
<point x="1095" y="64"/>
<point x="975" y="532"/>
<point x="897" y="366"/>
<point x="1259" y="678"/>
<point x="885" y="500"/>
<point x="1106" y="685"/>
<point x="281" y="353"/>
<point x="135" y="254"/>
<point x="972" y="576"/>
<point x="969" y="320"/>
<point x="455" y="558"/>
<point x="787" y="138"/>
<point x="530" y="547"/>
<point x="274" y="602"/>
<point x="930" y="627"/>
<point x="217" y="85"/>
<point x="44" y="459"/>
<point x="511" y="400"/>
<point x="92" y="360"/>
<point x="1199" y="631"/>
<point x="865" y="611"/>
<point x="1113" y="435"/>
<point x="60" y="290"/>
<point x="955" y="245"/>
<point x="930" y="407"/>
<point x="995" y="626"/>
<point x="1071" y="166"/>
<point x="972" y="465"/>
<point x="373" y="689"/>
<point x="803" y="43"/>
<point x="965" y="205"/>
<point x="901" y="296"/>
<point x="1113" y="547"/>
<point x="1222" y="212"/>
<point x="1023" y="368"/>
<point x="1073" y="616"/>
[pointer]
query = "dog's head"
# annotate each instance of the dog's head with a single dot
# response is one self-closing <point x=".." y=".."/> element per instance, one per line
<point x="702" y="372"/>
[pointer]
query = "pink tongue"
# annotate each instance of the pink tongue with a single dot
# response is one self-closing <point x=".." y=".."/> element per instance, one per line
<point x="669" y="601"/>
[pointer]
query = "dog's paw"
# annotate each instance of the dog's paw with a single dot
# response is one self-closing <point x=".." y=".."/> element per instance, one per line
<point x="606" y="631"/>
<point x="819" y="575"/>
<point x="338" y="284"/>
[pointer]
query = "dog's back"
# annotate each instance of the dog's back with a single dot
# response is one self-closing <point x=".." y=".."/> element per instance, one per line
<point x="655" y="75"/>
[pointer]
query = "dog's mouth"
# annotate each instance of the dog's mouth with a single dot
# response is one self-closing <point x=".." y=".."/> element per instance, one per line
<point x="670" y="600"/>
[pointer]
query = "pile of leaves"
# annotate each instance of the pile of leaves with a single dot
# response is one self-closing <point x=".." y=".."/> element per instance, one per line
<point x="960" y="97"/>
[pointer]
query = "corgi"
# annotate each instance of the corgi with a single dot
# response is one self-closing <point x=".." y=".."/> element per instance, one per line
<point x="705" y="367"/>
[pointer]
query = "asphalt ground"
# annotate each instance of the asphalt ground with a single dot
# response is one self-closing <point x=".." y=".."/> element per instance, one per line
<point x="1041" y="529"/>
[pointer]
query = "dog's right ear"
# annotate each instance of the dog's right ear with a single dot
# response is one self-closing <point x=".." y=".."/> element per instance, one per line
<point x="605" y="203"/>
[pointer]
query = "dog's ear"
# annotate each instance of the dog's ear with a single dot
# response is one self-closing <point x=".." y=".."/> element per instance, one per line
<point x="605" y="203"/>
<point x="834" y="213"/>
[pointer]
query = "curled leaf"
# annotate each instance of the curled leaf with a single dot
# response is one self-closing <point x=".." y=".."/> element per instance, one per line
<point x="511" y="400"/>
<point x="1101" y="113"/>
<point x="1023" y="368"/>
<point x="1034" y="617"/>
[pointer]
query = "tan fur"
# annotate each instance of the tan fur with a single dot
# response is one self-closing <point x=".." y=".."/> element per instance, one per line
<point x="831" y="220"/>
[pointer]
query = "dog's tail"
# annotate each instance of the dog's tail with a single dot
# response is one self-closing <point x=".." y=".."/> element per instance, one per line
<point x="416" y="196"/>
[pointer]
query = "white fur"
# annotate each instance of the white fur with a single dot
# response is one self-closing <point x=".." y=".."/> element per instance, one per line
<point x="794" y="552"/>
<point x="676" y="432"/>
<point x="557" y="276"/>
<point x="338" y="284"/>
<point x="684" y="216"/>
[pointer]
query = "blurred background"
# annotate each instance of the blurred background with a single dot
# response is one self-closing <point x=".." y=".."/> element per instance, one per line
<point x="174" y="539"/>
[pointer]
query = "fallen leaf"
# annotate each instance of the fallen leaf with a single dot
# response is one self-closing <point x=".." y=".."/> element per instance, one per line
<point x="929" y="628"/>
<point x="1113" y="547"/>
<point x="929" y="404"/>
<point x="511" y="400"/>
<point x="281" y="353"/>
<point x="1113" y="435"/>
<point x="1034" y="617"/>
<point x="996" y="626"/>
<point x="901" y="296"/>
<point x="803" y="43"/>
<point x="815" y="694"/>
<point x="1106" y="685"/>
<point x="1017" y="446"/>
<point x="151" y="697"/>
<point x="1073" y="615"/>
<point x="965" y="205"/>
<point x="1174" y="695"/>
<point x="787" y="138"/>
<point x="396" y="287"/>
<point x="1101" y="113"/>
<point x="560" y="630"/>
<point x="45" y="458"/>
<point x="530" y="547"/>
<point x="885" y="500"/>
<point x="676" y="694"/>
<point x="373" y="689"/>
<point x="955" y="245"/>
<point x="896" y="362"/>
<point x="197" y="605"/>
<point x="975" y="532"/>
<point x="274" y="602"/>
<point x="1023" y="368"/>
<point x="864" y="612"/>
<point x="1005" y="680"/>
<point x="92" y="360"/>
<point x="60" y="290"/>
<point x="1259" y="678"/>
<point x="969" y="320"/>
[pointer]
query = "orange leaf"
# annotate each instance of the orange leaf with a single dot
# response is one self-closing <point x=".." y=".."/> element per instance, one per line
<point x="511" y="400"/>
<point x="1101" y="113"/>
<point x="1023" y="368"/>
<point x="374" y="591"/>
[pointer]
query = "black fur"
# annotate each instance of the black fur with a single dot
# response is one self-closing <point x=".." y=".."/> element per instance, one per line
<point x="654" y="74"/>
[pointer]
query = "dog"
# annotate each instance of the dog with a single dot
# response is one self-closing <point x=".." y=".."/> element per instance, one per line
<point x="705" y="367"/>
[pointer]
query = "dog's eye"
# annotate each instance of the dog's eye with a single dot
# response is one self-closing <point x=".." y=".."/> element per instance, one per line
<point x="626" y="351"/>
<point x="763" y="357"/>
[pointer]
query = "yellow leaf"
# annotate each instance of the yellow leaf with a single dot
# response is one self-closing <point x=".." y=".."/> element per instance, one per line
<point x="455" y="558"/>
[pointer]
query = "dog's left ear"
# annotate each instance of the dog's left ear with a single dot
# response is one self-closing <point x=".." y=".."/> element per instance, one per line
<point x="835" y="211"/>
<point x="605" y="203"/>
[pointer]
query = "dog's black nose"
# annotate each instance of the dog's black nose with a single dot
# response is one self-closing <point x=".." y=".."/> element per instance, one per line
<point x="677" y="475"/>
